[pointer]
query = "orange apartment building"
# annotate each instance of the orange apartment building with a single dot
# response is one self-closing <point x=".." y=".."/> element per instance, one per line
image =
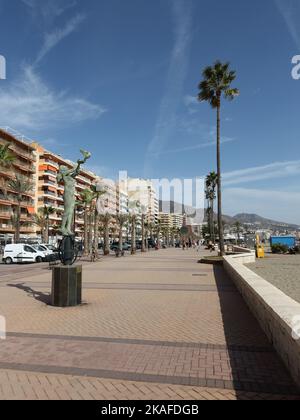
<point x="24" y="164"/>
<point x="50" y="193"/>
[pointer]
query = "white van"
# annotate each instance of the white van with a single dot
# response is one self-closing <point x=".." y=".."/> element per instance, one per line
<point x="22" y="253"/>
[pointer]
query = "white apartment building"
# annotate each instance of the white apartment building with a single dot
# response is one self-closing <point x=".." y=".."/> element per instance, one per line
<point x="143" y="191"/>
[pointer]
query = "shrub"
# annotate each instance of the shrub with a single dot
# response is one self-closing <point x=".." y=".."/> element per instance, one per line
<point x="279" y="249"/>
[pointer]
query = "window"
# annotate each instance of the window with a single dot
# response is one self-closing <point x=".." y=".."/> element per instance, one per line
<point x="29" y="249"/>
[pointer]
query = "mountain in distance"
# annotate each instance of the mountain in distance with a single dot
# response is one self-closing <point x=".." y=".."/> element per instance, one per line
<point x="253" y="220"/>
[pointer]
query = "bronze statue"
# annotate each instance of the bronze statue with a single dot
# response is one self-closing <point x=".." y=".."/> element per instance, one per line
<point x="68" y="177"/>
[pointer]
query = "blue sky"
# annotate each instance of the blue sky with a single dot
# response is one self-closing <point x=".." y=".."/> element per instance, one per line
<point x="120" y="77"/>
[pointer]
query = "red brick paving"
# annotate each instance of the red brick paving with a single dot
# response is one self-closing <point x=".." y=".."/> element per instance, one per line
<point x="151" y="329"/>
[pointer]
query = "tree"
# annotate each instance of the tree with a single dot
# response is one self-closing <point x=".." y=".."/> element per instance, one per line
<point x="86" y="199"/>
<point x="121" y="219"/>
<point x="46" y="212"/>
<point x="105" y="219"/>
<point x="143" y="221"/>
<point x="238" y="227"/>
<point x="6" y="157"/>
<point x="134" y="208"/>
<point x="97" y="194"/>
<point x="216" y="83"/>
<point x="21" y="186"/>
<point x="211" y="185"/>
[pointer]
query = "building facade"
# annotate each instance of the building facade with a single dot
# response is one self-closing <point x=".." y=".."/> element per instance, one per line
<point x="24" y="165"/>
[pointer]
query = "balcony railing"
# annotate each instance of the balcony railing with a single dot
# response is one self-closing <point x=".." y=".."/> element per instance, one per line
<point x="21" y="152"/>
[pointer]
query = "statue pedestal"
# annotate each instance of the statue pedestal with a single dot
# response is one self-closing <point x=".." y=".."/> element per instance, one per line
<point x="66" y="286"/>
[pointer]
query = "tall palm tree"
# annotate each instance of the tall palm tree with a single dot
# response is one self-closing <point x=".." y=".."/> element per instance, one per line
<point x="21" y="186"/>
<point x="216" y="83"/>
<point x="86" y="199"/>
<point x="211" y="185"/>
<point x="6" y="157"/>
<point x="121" y="219"/>
<point x="105" y="219"/>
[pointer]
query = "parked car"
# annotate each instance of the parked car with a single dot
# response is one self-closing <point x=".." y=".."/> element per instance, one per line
<point x="115" y="246"/>
<point x="22" y="253"/>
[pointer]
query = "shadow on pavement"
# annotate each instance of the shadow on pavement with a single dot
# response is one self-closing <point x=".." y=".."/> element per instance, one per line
<point x="255" y="366"/>
<point x="39" y="296"/>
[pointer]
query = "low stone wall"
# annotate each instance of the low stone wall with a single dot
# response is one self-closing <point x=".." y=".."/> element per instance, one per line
<point x="277" y="314"/>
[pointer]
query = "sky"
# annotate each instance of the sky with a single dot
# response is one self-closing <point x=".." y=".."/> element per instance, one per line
<point x="120" y="79"/>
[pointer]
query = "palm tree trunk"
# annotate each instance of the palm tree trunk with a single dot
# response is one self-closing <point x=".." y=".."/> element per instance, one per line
<point x="96" y="233"/>
<point x="220" y="219"/>
<point x="143" y="234"/>
<point x="121" y="238"/>
<point x="106" y="240"/>
<point x="18" y="224"/>
<point x="86" y="231"/>
<point x="46" y="232"/>
<point x="133" y="238"/>
<point x="213" y="222"/>
<point x="90" y="235"/>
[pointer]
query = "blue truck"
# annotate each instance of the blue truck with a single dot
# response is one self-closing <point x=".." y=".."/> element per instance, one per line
<point x="289" y="241"/>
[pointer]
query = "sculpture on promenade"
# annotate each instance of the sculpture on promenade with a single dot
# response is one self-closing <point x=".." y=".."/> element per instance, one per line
<point x="68" y="177"/>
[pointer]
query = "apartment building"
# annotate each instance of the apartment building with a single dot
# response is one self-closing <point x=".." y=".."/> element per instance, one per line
<point x="143" y="190"/>
<point x="50" y="192"/>
<point x="23" y="165"/>
<point x="170" y="221"/>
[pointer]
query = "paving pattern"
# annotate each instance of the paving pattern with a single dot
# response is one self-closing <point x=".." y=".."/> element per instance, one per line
<point x="153" y="326"/>
<point x="283" y="271"/>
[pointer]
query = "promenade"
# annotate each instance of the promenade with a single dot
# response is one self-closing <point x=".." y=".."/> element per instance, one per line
<point x="153" y="326"/>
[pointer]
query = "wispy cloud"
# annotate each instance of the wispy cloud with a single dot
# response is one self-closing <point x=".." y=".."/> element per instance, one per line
<point x="48" y="10"/>
<point x="166" y="121"/>
<point x="53" y="38"/>
<point x="29" y="103"/>
<point x="290" y="10"/>
<point x="274" y="170"/>
<point x="195" y="147"/>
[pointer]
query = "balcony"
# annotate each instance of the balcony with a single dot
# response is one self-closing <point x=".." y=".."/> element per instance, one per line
<point x="22" y="153"/>
<point x="5" y="215"/>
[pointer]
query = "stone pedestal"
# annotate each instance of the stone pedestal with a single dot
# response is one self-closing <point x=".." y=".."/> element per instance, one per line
<point x="66" y="286"/>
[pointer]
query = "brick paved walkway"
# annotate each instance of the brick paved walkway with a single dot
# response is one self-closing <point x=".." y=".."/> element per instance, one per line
<point x="153" y="326"/>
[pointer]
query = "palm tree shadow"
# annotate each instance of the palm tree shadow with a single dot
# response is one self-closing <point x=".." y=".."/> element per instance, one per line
<point x="39" y="296"/>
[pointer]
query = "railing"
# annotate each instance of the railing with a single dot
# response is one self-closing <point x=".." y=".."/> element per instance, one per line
<point x="22" y="153"/>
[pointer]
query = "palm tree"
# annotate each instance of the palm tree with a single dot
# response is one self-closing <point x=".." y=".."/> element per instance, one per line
<point x="158" y="229"/>
<point x="86" y="198"/>
<point x="216" y="83"/>
<point x="121" y="220"/>
<point x="21" y="186"/>
<point x="133" y="220"/>
<point x="6" y="157"/>
<point x="211" y="185"/>
<point x="97" y="194"/>
<point x="40" y="221"/>
<point x="47" y="212"/>
<point x="238" y="228"/>
<point x="143" y="221"/>
<point x="105" y="220"/>
<point x="134" y="207"/>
